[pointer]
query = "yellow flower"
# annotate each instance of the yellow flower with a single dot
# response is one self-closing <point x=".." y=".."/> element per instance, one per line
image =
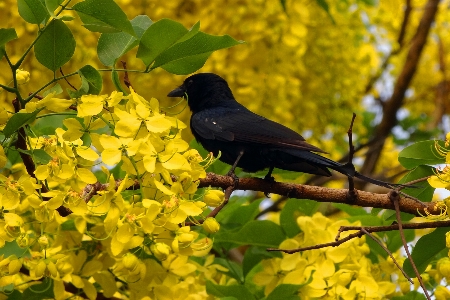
<point x="115" y="147"/>
<point x="91" y="105"/>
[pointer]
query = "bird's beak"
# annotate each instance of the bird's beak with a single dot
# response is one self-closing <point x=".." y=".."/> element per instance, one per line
<point x="178" y="92"/>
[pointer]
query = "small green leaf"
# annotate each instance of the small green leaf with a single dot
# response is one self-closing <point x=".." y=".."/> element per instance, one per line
<point x="57" y="89"/>
<point x="422" y="190"/>
<point x="93" y="77"/>
<point x="103" y="16"/>
<point x="56" y="45"/>
<point x="111" y="46"/>
<point x="7" y="35"/>
<point x="421" y="153"/>
<point x="91" y="82"/>
<point x="116" y="81"/>
<point x="18" y="120"/>
<point x="427" y="247"/>
<point x="33" y="11"/>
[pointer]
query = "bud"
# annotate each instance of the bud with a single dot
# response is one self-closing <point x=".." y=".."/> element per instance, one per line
<point x="130" y="261"/>
<point x="345" y="278"/>
<point x="443" y="267"/>
<point x="405" y="286"/>
<point x="14" y="266"/>
<point x="22" y="76"/>
<point x="213" y="198"/>
<point x="40" y="269"/>
<point x="185" y="238"/>
<point x="43" y="241"/>
<point x="447" y="239"/>
<point x="160" y="250"/>
<point x="52" y="269"/>
<point x="211" y="225"/>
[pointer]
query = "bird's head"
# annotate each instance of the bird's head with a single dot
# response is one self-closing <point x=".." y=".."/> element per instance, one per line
<point x="204" y="90"/>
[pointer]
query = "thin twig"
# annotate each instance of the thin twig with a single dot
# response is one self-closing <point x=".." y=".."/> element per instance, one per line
<point x="394" y="196"/>
<point x="388" y="252"/>
<point x="66" y="80"/>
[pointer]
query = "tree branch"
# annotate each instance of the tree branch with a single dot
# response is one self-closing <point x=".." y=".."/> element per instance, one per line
<point x="391" y="106"/>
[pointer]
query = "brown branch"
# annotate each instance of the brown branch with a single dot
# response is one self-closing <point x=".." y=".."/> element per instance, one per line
<point x="298" y="191"/>
<point x="126" y="79"/>
<point x="391" y="106"/>
<point x="320" y="194"/>
<point x="216" y="210"/>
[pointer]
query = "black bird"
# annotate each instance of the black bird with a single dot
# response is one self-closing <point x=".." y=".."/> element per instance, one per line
<point x="248" y="140"/>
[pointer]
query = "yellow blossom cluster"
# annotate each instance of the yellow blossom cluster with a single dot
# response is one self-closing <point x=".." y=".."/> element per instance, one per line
<point x="131" y="230"/>
<point x="343" y="272"/>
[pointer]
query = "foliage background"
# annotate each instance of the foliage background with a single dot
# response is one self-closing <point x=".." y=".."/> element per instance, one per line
<point x="304" y="67"/>
<point x="306" y="64"/>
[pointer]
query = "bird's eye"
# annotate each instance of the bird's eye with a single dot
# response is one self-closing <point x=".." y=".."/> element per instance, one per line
<point x="190" y="82"/>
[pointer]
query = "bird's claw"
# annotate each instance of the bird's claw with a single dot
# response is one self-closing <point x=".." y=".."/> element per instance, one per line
<point x="235" y="179"/>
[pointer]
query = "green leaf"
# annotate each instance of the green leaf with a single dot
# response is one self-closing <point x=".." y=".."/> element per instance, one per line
<point x="7" y="35"/>
<point x="39" y="155"/>
<point x="111" y="46"/>
<point x="292" y="209"/>
<point x="52" y="5"/>
<point x="394" y="240"/>
<point x="285" y="292"/>
<point x="421" y="153"/>
<point x="351" y="210"/>
<point x="33" y="11"/>
<point x="103" y="16"/>
<point x="427" y="247"/>
<point x="237" y="291"/>
<point x="324" y="5"/>
<point x="190" y="55"/>
<point x="423" y="191"/>
<point x="56" y="45"/>
<point x="91" y="82"/>
<point x="236" y="213"/>
<point x="159" y="37"/>
<point x="69" y="225"/>
<point x="18" y="120"/>
<point x="254" y="255"/>
<point x="39" y="291"/>
<point x="93" y="78"/>
<point x="257" y="233"/>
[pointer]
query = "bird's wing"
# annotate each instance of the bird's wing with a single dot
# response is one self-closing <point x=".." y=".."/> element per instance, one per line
<point x="242" y="125"/>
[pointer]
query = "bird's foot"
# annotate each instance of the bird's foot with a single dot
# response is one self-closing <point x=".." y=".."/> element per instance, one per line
<point x="235" y="179"/>
<point x="270" y="180"/>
